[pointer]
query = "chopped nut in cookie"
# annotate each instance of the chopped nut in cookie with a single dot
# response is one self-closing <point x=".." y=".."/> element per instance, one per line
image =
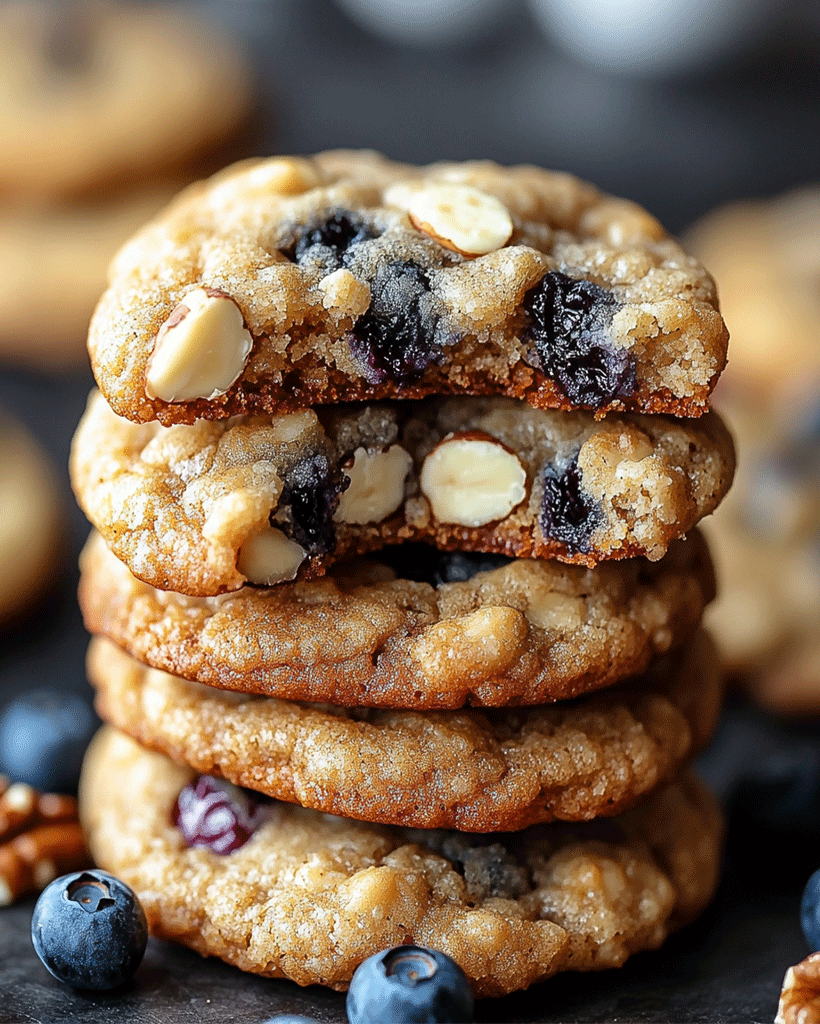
<point x="270" y="557"/>
<point x="473" y="479"/>
<point x="200" y="350"/>
<point x="376" y="488"/>
<point x="461" y="218"/>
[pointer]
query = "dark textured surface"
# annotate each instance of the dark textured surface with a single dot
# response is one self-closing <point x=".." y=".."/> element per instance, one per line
<point x="680" y="148"/>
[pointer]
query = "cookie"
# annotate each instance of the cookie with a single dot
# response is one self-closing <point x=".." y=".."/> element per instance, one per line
<point x="365" y="635"/>
<point x="309" y="896"/>
<point x="477" y="771"/>
<point x="766" y="540"/>
<point x="103" y="93"/>
<point x="281" y="284"/>
<point x="203" y="509"/>
<point x="766" y="256"/>
<point x="53" y="270"/>
<point x="30" y="528"/>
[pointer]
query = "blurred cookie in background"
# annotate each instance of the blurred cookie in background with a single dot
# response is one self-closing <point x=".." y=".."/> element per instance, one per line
<point x="765" y="256"/>
<point x="766" y="537"/>
<point x="30" y="520"/>
<point x="53" y="264"/>
<point x="95" y="93"/>
<point x="106" y="111"/>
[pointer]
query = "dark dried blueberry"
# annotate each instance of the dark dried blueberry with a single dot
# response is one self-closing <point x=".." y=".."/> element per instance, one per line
<point x="308" y="502"/>
<point x="570" y="322"/>
<point x="400" y="335"/>
<point x="328" y="242"/>
<point x="460" y="566"/>
<point x="568" y="513"/>
<point x="489" y="870"/>
<point x="215" y="814"/>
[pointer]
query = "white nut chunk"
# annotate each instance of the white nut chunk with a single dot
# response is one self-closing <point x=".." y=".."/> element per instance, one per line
<point x="200" y="350"/>
<point x="472" y="479"/>
<point x="269" y="557"/>
<point x="376" y="487"/>
<point x="461" y="217"/>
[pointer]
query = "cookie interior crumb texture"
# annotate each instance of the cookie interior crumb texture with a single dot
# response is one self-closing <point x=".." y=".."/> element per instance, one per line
<point x="357" y="280"/>
<point x="310" y="896"/>
<point x="180" y="504"/>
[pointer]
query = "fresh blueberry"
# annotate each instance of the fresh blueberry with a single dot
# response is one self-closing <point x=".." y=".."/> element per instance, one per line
<point x="569" y="322"/>
<point x="89" y="929"/>
<point x="409" y="985"/>
<point x="401" y="332"/>
<point x="290" y="1018"/>
<point x="568" y="513"/>
<point x="810" y="912"/>
<point x="43" y="736"/>
<point x="212" y="813"/>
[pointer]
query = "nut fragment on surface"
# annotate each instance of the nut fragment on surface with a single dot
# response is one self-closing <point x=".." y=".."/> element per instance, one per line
<point x="269" y="557"/>
<point x="472" y="479"/>
<point x="376" y="485"/>
<point x="800" y="998"/>
<point x="200" y="350"/>
<point x="461" y="218"/>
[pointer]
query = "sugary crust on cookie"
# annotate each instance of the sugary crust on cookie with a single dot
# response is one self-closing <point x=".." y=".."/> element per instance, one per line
<point x="309" y="897"/>
<point x="477" y="771"/>
<point x="453" y="324"/>
<point x="30" y="530"/>
<point x="365" y="637"/>
<point x="178" y="503"/>
<point x="92" y="96"/>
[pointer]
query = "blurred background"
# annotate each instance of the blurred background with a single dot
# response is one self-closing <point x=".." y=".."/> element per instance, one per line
<point x="707" y="112"/>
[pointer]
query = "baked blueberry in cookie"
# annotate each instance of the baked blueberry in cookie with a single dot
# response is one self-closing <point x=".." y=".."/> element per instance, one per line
<point x="568" y="513"/>
<point x="212" y="813"/>
<point x="327" y="241"/>
<point x="570" y="323"/>
<point x="399" y="335"/>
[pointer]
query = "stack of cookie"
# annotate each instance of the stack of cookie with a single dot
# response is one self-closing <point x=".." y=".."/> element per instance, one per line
<point x="392" y="610"/>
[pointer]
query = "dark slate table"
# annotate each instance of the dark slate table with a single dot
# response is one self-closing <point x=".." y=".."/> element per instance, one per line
<point x="678" y="147"/>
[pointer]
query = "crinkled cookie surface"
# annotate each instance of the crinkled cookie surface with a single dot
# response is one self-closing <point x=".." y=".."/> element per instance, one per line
<point x="310" y="896"/>
<point x="477" y="771"/>
<point x="463" y="630"/>
<point x="281" y="284"/>
<point x="202" y="509"/>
